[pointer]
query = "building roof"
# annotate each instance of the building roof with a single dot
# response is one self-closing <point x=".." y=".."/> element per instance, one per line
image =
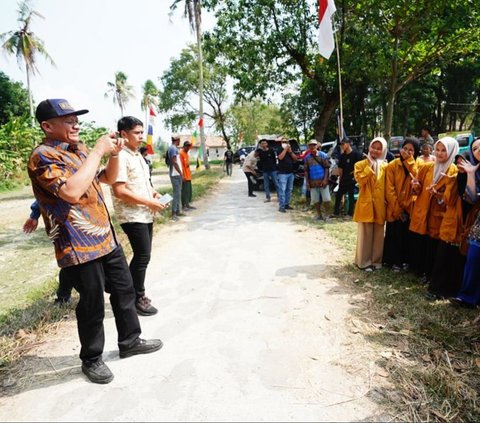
<point x="211" y="141"/>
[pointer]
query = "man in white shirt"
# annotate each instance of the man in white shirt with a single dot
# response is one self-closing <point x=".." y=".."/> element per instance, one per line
<point x="135" y="203"/>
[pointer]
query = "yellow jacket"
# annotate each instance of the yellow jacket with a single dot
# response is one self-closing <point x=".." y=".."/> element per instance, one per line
<point x="398" y="188"/>
<point x="370" y="206"/>
<point x="429" y="210"/>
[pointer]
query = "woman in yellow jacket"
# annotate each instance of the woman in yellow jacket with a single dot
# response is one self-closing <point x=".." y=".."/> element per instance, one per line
<point x="432" y="186"/>
<point x="370" y="207"/>
<point x="398" y="195"/>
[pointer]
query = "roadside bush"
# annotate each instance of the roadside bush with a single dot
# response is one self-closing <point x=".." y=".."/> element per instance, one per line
<point x="18" y="139"/>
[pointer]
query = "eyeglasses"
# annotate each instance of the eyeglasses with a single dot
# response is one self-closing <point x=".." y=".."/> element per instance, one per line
<point x="72" y="123"/>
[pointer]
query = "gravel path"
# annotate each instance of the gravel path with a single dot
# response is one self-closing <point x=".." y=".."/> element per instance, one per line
<point x="253" y="321"/>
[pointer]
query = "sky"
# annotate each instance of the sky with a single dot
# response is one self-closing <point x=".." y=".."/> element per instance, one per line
<point x="90" y="40"/>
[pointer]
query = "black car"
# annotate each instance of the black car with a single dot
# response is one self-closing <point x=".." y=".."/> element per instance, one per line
<point x="298" y="171"/>
<point x="242" y="152"/>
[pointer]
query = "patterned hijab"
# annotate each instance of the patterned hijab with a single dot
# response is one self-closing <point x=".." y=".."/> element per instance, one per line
<point x="378" y="162"/>
<point x="451" y="145"/>
<point x="473" y="160"/>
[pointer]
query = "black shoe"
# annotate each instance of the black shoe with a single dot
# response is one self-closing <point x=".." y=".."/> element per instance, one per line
<point x="144" y="307"/>
<point x="431" y="296"/>
<point x="287" y="207"/>
<point x="251" y="195"/>
<point x="97" y="371"/>
<point x="282" y="210"/>
<point x="180" y="214"/>
<point x="60" y="302"/>
<point x="142" y="346"/>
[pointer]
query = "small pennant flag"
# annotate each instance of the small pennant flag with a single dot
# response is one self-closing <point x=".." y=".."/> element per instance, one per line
<point x="326" y="8"/>
<point x="151" y="117"/>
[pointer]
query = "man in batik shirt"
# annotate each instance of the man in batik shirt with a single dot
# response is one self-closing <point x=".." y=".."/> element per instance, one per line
<point x="66" y="183"/>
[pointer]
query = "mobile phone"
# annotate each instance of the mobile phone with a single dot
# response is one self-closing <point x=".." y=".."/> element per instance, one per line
<point x="165" y="199"/>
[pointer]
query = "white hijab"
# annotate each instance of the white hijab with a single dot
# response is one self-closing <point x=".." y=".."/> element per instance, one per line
<point x="378" y="162"/>
<point x="451" y="145"/>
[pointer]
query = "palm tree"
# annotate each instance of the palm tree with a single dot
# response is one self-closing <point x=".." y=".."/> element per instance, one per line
<point x="25" y="45"/>
<point x="120" y="90"/>
<point x="193" y="10"/>
<point x="149" y="98"/>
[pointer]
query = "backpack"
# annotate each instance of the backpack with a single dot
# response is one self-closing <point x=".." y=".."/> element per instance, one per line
<point x="167" y="158"/>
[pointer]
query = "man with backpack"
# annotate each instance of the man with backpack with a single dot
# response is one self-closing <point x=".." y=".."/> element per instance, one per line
<point x="317" y="167"/>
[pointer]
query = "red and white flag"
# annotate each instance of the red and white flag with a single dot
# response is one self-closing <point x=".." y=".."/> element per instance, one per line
<point x="326" y="8"/>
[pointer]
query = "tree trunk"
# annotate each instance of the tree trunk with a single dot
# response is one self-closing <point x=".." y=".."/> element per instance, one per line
<point x="30" y="99"/>
<point x="198" y="30"/>
<point x="321" y="123"/>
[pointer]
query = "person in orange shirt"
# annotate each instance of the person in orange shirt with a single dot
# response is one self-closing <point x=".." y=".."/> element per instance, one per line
<point x="370" y="207"/>
<point x="433" y="186"/>
<point x="187" y="176"/>
<point x="399" y="205"/>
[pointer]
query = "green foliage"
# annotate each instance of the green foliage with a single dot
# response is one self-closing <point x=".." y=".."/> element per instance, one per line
<point x="253" y="118"/>
<point x="17" y="140"/>
<point x="13" y="99"/>
<point x="89" y="133"/>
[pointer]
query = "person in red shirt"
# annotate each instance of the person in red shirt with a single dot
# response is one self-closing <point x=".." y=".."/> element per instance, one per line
<point x="186" y="176"/>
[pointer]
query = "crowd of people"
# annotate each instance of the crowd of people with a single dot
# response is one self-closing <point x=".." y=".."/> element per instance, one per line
<point x="419" y="213"/>
<point x="66" y="180"/>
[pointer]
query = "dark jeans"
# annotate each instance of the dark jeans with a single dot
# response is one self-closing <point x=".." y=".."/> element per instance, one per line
<point x="186" y="193"/>
<point x="177" y="193"/>
<point x="110" y="274"/>
<point x="342" y="190"/>
<point x="250" y="183"/>
<point x="140" y="237"/>
<point x="65" y="286"/>
<point x="228" y="168"/>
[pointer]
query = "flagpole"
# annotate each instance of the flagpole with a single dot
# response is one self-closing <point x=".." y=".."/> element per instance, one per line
<point x="340" y="129"/>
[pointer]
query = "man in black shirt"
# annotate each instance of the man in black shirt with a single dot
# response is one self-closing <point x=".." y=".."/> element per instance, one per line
<point x="286" y="160"/>
<point x="346" y="165"/>
<point x="228" y="160"/>
<point x="267" y="163"/>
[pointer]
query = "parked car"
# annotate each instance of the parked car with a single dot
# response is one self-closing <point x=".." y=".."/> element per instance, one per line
<point x="395" y="145"/>
<point x="464" y="140"/>
<point x="276" y="145"/>
<point x="241" y="153"/>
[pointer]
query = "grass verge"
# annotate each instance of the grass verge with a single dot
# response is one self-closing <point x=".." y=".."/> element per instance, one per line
<point x="430" y="350"/>
<point x="23" y="327"/>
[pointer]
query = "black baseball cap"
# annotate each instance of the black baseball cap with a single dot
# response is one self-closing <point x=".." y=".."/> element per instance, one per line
<point x="55" y="107"/>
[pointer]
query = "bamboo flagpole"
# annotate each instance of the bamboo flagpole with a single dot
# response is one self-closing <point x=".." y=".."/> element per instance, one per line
<point x="340" y="94"/>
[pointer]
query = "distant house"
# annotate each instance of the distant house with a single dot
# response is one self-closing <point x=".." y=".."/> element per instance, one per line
<point x="216" y="146"/>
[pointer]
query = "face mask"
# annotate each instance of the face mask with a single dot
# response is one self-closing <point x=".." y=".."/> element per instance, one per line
<point x="284" y="145"/>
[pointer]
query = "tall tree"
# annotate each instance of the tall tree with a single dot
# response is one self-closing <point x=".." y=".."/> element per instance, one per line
<point x="193" y="10"/>
<point x="149" y="97"/>
<point x="180" y="82"/>
<point x="269" y="44"/>
<point x="26" y="45"/>
<point x="120" y="91"/>
<point x="412" y="38"/>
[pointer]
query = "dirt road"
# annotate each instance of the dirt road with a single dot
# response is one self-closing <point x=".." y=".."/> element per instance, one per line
<point x="253" y="322"/>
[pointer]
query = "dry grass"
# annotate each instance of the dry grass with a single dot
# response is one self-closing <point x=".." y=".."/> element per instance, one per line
<point x="430" y="350"/>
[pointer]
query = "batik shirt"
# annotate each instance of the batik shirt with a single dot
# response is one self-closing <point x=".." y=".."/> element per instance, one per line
<point x="80" y="232"/>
